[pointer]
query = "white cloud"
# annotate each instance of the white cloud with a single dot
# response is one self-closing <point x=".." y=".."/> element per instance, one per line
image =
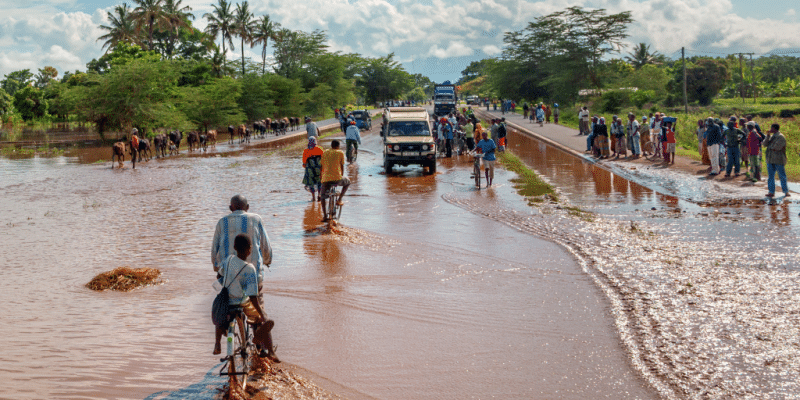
<point x="790" y="12"/>
<point x="491" y="50"/>
<point x="456" y="49"/>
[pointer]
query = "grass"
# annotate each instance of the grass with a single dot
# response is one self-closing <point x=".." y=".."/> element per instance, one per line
<point x="527" y="183"/>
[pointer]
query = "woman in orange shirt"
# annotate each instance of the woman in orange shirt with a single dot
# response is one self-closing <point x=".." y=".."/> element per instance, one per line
<point x="311" y="162"/>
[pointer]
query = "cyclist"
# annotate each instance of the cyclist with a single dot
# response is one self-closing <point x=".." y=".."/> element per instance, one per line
<point x="487" y="147"/>
<point x="333" y="175"/>
<point x="239" y="276"/>
<point x="353" y="139"/>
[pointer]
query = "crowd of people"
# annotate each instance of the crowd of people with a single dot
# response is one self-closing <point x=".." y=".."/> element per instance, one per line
<point x="738" y="143"/>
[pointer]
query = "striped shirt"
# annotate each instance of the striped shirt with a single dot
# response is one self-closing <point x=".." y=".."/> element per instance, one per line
<point x="242" y="222"/>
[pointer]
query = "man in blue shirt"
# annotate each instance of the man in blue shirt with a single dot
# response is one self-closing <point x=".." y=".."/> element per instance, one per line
<point x="353" y="139"/>
<point x="447" y="131"/>
<point x="487" y="147"/>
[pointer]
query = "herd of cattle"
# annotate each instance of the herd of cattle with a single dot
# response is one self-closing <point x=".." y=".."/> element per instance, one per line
<point x="196" y="140"/>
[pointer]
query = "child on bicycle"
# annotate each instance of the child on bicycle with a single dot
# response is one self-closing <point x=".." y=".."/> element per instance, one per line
<point x="239" y="276"/>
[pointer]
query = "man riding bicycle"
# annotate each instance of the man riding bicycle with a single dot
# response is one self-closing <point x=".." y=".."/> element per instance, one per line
<point x="353" y="139"/>
<point x="487" y="147"/>
<point x="332" y="175"/>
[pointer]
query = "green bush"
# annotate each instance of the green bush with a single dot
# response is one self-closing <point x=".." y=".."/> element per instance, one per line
<point x="640" y="97"/>
<point x="613" y="101"/>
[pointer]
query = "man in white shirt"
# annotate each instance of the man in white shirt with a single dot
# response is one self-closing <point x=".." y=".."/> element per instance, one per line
<point x="241" y="221"/>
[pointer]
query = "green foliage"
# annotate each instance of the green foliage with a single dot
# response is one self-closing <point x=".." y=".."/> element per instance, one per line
<point x="383" y="79"/>
<point x="558" y="54"/>
<point x="122" y="54"/>
<point x="6" y="102"/>
<point x="16" y="81"/>
<point x="614" y="100"/>
<point x="640" y="97"/>
<point x="30" y="103"/>
<point x="704" y="80"/>
<point x="140" y="94"/>
<point x="292" y="48"/>
<point x="214" y="104"/>
<point x="417" y="94"/>
<point x="286" y="95"/>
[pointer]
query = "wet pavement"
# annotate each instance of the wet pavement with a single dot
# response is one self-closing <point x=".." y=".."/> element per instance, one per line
<point x="430" y="289"/>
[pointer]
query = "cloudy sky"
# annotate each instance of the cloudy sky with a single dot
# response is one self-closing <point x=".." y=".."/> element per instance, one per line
<point x="436" y="38"/>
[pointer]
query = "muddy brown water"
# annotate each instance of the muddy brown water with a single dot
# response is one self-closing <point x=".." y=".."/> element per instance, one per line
<point x="431" y="289"/>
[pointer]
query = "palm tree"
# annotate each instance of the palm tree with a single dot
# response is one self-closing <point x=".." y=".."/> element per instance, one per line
<point x="149" y="13"/>
<point x="264" y="31"/>
<point x="243" y="25"/>
<point x="177" y="16"/>
<point x="220" y="22"/>
<point x="121" y="29"/>
<point x="641" y="56"/>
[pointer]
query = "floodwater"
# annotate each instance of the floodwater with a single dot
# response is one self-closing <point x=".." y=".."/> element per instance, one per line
<point x="431" y="289"/>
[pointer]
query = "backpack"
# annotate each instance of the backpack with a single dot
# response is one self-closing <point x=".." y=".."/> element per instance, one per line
<point x="220" y="309"/>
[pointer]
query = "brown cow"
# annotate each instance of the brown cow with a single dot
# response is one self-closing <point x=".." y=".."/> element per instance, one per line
<point x="118" y="153"/>
<point x="212" y="137"/>
<point x="241" y="131"/>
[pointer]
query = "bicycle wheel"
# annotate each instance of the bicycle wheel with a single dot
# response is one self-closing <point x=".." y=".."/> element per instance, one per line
<point x="332" y="206"/>
<point x="239" y="359"/>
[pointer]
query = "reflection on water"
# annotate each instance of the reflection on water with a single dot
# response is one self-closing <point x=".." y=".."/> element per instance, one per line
<point x="429" y="289"/>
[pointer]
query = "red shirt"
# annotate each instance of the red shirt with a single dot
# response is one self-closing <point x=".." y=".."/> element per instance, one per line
<point x="670" y="136"/>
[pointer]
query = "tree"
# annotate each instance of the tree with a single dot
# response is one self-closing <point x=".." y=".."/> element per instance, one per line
<point x="263" y="32"/>
<point x="641" y="56"/>
<point x="30" y="103"/>
<point x="177" y="17"/>
<point x="5" y="102"/>
<point x="220" y="22"/>
<point x="214" y="104"/>
<point x="243" y="26"/>
<point x="561" y="52"/>
<point x="121" y="29"/>
<point x="122" y="54"/>
<point x="16" y="81"/>
<point x="704" y="80"/>
<point x="149" y="14"/>
<point x="140" y="94"/>
<point x="292" y="48"/>
<point x="382" y="79"/>
<point x="45" y="76"/>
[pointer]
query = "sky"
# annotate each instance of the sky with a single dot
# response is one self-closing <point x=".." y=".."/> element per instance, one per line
<point x="436" y="38"/>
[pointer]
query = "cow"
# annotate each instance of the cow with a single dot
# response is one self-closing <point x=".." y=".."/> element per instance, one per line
<point x="294" y="122"/>
<point x="118" y="153"/>
<point x="284" y="122"/>
<point x="175" y="137"/>
<point x="160" y="144"/>
<point x="231" y="130"/>
<point x="144" y="150"/>
<point x="268" y="125"/>
<point x="241" y="130"/>
<point x="212" y="137"/>
<point x="275" y="126"/>
<point x="203" y="141"/>
<point x="193" y="140"/>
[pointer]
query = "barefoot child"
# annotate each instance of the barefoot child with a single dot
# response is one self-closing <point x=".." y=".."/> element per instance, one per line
<point x="239" y="276"/>
<point x="669" y="144"/>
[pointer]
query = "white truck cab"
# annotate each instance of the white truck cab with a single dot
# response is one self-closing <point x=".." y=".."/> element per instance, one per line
<point x="407" y="138"/>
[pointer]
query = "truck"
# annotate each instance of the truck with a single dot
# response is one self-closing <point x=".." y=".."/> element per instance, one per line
<point x="444" y="98"/>
<point x="407" y="138"/>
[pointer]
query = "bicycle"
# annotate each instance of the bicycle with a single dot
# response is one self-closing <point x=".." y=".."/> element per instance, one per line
<point x="476" y="168"/>
<point x="352" y="152"/>
<point x="334" y="210"/>
<point x="236" y="363"/>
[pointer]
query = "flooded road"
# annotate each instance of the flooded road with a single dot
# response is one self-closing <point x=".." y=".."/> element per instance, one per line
<point x="431" y="290"/>
<point x="415" y="297"/>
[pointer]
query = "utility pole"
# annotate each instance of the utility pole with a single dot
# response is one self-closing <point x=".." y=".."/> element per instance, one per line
<point x="753" y="79"/>
<point x="685" y="98"/>
<point x="741" y="77"/>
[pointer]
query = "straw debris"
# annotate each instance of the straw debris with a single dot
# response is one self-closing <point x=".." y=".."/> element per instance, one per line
<point x="125" y="279"/>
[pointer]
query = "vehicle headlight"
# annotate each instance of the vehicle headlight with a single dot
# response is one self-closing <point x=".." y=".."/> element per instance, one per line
<point x="425" y="147"/>
<point x="396" y="147"/>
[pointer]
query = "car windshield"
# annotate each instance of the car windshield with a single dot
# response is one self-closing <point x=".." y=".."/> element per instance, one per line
<point x="408" y="128"/>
